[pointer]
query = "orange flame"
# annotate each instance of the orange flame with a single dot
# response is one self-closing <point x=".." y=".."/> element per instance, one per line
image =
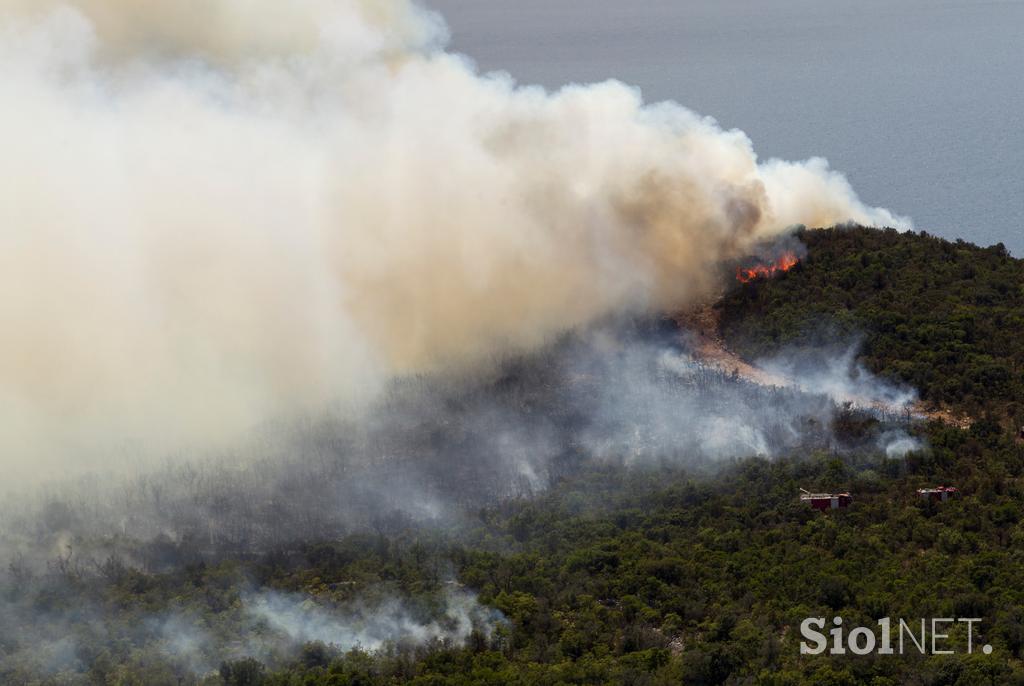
<point x="785" y="262"/>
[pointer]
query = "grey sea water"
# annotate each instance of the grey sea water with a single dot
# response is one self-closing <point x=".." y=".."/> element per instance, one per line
<point x="919" y="102"/>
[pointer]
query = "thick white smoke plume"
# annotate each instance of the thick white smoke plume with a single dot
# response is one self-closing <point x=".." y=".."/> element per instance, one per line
<point x="219" y="213"/>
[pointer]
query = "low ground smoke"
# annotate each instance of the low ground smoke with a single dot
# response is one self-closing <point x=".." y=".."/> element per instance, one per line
<point x="239" y="213"/>
<point x="897" y="443"/>
<point x="433" y="451"/>
<point x="836" y="373"/>
<point x="194" y="637"/>
<point x="393" y="622"/>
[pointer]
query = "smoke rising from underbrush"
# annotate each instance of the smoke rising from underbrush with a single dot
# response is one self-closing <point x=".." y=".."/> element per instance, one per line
<point x="222" y="214"/>
<point x="194" y="636"/>
<point x="836" y="373"/>
<point x="433" y="451"/>
<point x="372" y="628"/>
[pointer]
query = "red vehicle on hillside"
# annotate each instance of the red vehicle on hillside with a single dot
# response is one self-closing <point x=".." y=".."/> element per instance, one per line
<point x="826" y="501"/>
<point x="938" y="494"/>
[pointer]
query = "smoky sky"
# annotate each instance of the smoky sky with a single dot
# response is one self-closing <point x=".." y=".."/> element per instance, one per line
<point x="230" y="214"/>
<point x="910" y="98"/>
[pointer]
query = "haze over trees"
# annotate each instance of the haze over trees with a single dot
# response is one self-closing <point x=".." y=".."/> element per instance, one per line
<point x="945" y="317"/>
<point x="662" y="571"/>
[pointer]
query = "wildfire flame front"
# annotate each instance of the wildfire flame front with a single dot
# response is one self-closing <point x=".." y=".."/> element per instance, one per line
<point x="784" y="263"/>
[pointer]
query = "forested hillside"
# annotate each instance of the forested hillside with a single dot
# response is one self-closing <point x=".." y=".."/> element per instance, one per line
<point x="619" y="573"/>
<point x="946" y="318"/>
<point x="620" y="576"/>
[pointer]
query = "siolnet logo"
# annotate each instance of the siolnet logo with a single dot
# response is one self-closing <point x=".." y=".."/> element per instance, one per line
<point x="931" y="637"/>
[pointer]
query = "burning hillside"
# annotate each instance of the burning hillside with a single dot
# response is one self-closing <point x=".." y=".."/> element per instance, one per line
<point x="249" y="212"/>
<point x="783" y="263"/>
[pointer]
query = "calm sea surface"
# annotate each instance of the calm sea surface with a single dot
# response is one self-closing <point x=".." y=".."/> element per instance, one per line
<point x="919" y="102"/>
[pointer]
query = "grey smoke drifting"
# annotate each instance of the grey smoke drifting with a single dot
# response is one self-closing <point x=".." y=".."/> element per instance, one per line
<point x="432" y="451"/>
<point x="836" y="373"/>
<point x="226" y="213"/>
<point x="195" y="638"/>
<point x="392" y="622"/>
<point x="656" y="401"/>
<point x="898" y="443"/>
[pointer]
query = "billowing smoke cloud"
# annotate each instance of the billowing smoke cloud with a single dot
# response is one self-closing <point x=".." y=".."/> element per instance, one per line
<point x="221" y="213"/>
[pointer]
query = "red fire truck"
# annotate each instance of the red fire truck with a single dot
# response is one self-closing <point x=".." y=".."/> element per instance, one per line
<point x="939" y="493"/>
<point x="826" y="501"/>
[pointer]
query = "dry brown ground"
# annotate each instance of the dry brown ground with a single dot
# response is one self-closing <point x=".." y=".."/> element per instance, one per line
<point x="702" y="324"/>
